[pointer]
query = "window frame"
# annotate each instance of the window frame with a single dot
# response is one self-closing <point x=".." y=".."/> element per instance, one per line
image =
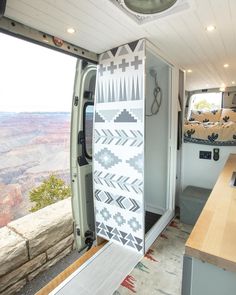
<point x="203" y="93"/>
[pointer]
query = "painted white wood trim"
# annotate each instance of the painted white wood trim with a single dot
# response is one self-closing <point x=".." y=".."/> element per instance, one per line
<point x="154" y="209"/>
<point x="157" y="229"/>
<point x="173" y="138"/>
<point x="172" y="152"/>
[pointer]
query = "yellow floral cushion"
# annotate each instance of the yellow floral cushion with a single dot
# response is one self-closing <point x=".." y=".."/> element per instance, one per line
<point x="211" y="133"/>
<point x="228" y="115"/>
<point x="205" y="116"/>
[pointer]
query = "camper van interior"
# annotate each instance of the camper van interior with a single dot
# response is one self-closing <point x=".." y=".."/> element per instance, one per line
<point x="152" y="144"/>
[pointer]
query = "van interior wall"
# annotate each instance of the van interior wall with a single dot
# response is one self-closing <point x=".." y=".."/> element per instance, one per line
<point x="200" y="172"/>
<point x="156" y="137"/>
<point x="228" y="96"/>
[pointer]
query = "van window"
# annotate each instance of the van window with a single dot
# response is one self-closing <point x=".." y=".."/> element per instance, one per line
<point x="206" y="101"/>
<point x="88" y="128"/>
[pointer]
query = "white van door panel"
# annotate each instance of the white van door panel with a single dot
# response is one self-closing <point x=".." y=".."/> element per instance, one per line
<point x="81" y="154"/>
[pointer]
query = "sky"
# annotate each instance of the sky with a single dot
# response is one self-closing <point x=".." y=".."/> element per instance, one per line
<point x="34" y="78"/>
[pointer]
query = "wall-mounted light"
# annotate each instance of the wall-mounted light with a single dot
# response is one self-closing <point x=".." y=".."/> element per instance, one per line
<point x="226" y="65"/>
<point x="222" y="88"/>
<point x="189" y="71"/>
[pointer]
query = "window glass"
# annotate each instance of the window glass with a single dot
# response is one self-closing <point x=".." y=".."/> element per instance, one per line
<point x="88" y="129"/>
<point x="206" y="101"/>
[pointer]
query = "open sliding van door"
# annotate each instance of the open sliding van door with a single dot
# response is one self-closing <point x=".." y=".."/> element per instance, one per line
<point x="81" y="154"/>
<point x="122" y="135"/>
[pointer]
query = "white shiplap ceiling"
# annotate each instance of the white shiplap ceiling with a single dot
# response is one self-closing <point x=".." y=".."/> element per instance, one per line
<point x="100" y="26"/>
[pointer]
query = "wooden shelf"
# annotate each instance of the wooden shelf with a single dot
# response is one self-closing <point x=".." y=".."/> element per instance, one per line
<point x="213" y="238"/>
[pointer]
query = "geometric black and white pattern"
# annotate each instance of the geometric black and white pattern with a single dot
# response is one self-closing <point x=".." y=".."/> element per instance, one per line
<point x="122" y="202"/>
<point x="119" y="219"/>
<point x="118" y="116"/>
<point x="136" y="162"/>
<point x="125" y="238"/>
<point x="128" y="184"/>
<point x="134" y="224"/>
<point x="105" y="214"/>
<point x="106" y="158"/>
<point x="132" y="138"/>
<point x="99" y="118"/>
<point x="118" y="138"/>
<point x="125" y="117"/>
<point x="109" y="115"/>
<point x="127" y="91"/>
<point x="122" y="68"/>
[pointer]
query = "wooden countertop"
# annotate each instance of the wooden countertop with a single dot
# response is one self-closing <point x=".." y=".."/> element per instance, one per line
<point x="213" y="238"/>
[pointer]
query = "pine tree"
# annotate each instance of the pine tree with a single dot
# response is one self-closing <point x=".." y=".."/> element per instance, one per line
<point x="52" y="189"/>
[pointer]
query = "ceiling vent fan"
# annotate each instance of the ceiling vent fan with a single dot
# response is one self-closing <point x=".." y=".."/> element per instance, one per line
<point x="144" y="11"/>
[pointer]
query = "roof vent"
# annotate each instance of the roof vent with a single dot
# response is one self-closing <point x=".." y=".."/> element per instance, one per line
<point x="146" y="11"/>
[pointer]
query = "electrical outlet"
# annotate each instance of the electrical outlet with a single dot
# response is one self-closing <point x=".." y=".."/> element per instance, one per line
<point x="206" y="155"/>
<point x="216" y="154"/>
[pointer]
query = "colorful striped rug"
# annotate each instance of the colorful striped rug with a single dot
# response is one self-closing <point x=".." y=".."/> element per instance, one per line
<point x="160" y="271"/>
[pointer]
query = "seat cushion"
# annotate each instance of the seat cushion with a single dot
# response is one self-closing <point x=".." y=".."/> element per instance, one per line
<point x="205" y="116"/>
<point x="192" y="201"/>
<point x="228" y="115"/>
